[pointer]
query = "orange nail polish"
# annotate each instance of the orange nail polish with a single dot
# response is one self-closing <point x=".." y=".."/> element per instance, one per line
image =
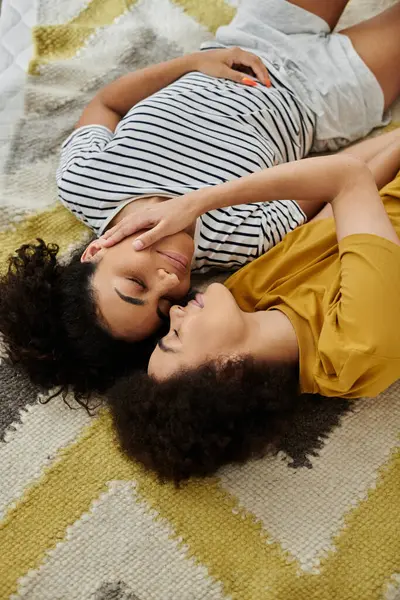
<point x="248" y="81"/>
<point x="268" y="83"/>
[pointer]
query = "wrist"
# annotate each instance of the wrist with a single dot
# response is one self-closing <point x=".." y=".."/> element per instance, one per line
<point x="193" y="61"/>
<point x="193" y="204"/>
<point x="207" y="199"/>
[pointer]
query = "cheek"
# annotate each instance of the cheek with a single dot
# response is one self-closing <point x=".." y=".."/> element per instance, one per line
<point x="137" y="329"/>
<point x="179" y="242"/>
<point x="148" y="321"/>
<point x="186" y="283"/>
<point x="223" y="332"/>
<point x="181" y="289"/>
<point x="164" y="306"/>
<point x="206" y="335"/>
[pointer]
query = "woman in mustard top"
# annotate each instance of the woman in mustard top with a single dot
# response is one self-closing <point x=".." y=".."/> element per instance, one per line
<point x="319" y="314"/>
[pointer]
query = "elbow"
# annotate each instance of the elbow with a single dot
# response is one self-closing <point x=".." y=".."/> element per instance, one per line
<point x="353" y="172"/>
<point x="353" y="169"/>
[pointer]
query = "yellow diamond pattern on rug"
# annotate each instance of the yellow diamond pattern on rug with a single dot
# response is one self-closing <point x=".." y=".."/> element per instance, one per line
<point x="78" y="520"/>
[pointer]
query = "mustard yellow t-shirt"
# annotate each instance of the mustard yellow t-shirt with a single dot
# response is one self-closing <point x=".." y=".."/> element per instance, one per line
<point x="342" y="299"/>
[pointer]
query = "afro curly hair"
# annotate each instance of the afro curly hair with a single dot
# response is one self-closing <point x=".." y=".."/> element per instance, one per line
<point x="51" y="328"/>
<point x="199" y="420"/>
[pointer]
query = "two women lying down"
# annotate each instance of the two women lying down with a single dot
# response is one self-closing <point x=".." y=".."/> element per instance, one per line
<point x="201" y="135"/>
<point x="275" y="84"/>
<point x="319" y="314"/>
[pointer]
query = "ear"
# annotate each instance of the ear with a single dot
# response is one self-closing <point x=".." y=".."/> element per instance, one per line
<point x="93" y="252"/>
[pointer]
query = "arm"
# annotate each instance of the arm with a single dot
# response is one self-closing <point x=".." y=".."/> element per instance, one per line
<point x="341" y="180"/>
<point x="382" y="156"/>
<point x="385" y="164"/>
<point x="367" y="149"/>
<point x="112" y="102"/>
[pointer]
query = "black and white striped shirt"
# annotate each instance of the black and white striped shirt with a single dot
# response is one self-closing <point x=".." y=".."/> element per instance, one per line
<point x="199" y="131"/>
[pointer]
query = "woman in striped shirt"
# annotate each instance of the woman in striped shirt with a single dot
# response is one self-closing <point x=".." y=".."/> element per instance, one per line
<point x="193" y="123"/>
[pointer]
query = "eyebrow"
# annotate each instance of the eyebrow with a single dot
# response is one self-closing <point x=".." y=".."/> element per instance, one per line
<point x="165" y="348"/>
<point x="130" y="299"/>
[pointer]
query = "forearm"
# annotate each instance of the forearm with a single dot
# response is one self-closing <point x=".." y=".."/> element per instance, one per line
<point x="368" y="149"/>
<point x="309" y="180"/>
<point x="385" y="165"/>
<point x="130" y="89"/>
<point x="381" y="154"/>
<point x="342" y="180"/>
<point x="113" y="101"/>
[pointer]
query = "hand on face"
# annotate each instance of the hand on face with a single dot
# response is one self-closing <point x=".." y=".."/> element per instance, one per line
<point x="159" y="220"/>
<point x="134" y="290"/>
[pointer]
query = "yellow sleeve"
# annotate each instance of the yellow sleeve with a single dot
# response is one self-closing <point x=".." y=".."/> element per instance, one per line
<point x="359" y="345"/>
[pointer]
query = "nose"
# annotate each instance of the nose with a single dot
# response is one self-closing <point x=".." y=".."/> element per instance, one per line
<point x="176" y="314"/>
<point x="166" y="281"/>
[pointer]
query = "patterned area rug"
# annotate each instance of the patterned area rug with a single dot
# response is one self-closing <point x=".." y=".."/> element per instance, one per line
<point x="320" y="520"/>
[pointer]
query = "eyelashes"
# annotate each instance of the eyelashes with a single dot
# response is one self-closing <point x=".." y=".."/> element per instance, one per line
<point x="160" y="315"/>
<point x="139" y="282"/>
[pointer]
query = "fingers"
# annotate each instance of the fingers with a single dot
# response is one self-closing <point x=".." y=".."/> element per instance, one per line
<point x="248" y="59"/>
<point x="110" y="237"/>
<point x="109" y="232"/>
<point x="233" y="75"/>
<point x="148" y="238"/>
<point x="126" y="228"/>
<point x="120" y="232"/>
<point x="113" y="239"/>
<point x="258" y="67"/>
<point x="239" y="77"/>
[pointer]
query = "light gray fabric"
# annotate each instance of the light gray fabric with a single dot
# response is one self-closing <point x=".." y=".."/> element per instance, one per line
<point x="17" y="392"/>
<point x="322" y="68"/>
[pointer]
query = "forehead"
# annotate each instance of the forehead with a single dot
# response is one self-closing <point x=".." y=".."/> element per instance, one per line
<point x="129" y="322"/>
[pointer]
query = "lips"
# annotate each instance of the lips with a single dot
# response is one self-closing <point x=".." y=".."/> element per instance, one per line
<point x="179" y="261"/>
<point x="198" y="300"/>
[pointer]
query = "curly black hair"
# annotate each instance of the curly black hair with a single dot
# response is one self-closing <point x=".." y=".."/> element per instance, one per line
<point x="199" y="420"/>
<point x="51" y="329"/>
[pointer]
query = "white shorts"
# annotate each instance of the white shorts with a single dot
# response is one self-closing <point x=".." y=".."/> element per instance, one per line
<point x="322" y="68"/>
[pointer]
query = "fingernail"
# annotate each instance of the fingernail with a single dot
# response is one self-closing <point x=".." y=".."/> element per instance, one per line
<point x="268" y="83"/>
<point x="138" y="245"/>
<point x="248" y="81"/>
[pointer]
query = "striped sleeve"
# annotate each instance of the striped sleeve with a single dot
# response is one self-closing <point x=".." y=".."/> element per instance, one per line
<point x="229" y="238"/>
<point x="82" y="144"/>
<point x="76" y="153"/>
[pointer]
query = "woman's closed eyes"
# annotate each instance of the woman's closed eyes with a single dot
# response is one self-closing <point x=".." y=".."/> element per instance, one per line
<point x="139" y="282"/>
